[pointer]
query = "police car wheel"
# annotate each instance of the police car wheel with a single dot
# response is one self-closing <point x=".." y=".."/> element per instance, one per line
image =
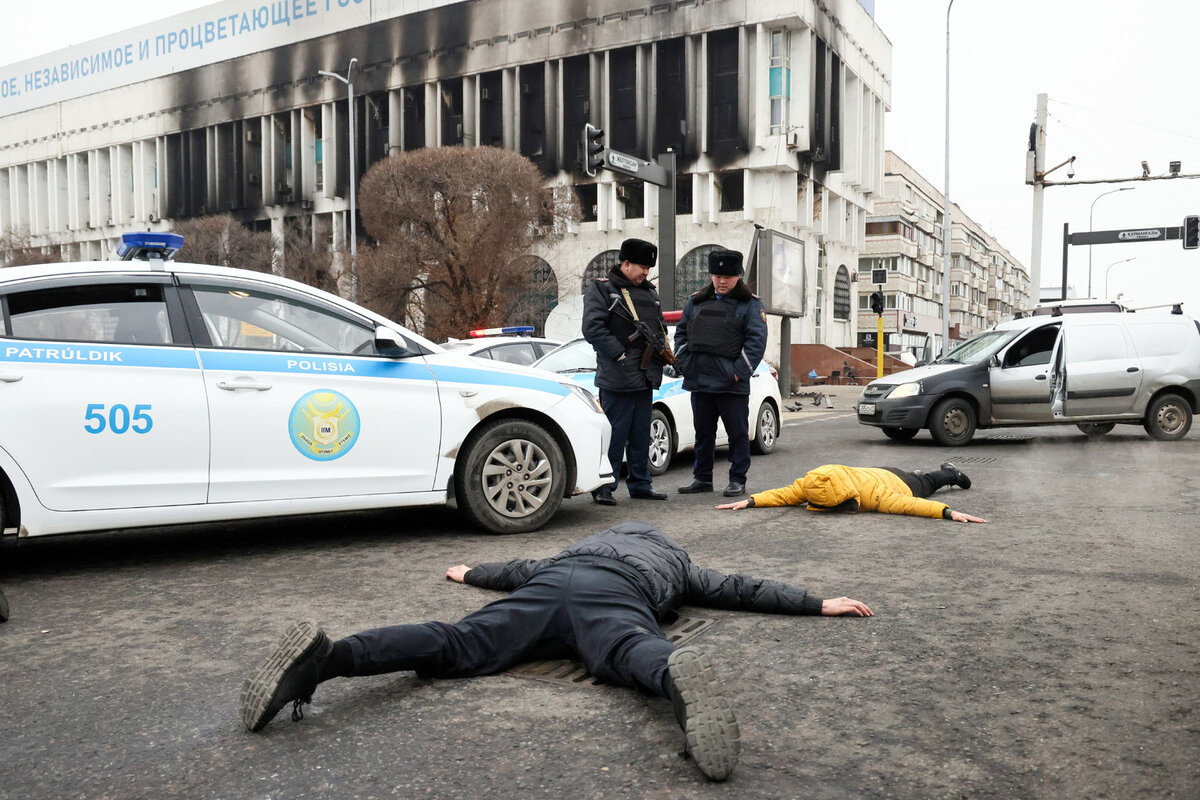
<point x="1168" y="418"/>
<point x="511" y="477"/>
<point x="766" y="429"/>
<point x="662" y="443"/>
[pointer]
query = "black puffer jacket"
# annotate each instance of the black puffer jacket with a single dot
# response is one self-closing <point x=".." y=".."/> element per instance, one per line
<point x="607" y="326"/>
<point x="669" y="575"/>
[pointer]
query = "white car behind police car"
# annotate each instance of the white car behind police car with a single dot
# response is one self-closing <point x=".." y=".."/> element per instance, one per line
<point x="146" y="392"/>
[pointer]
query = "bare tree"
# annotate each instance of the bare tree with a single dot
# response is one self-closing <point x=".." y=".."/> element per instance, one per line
<point x="223" y="241"/>
<point x="450" y="223"/>
<point x="17" y="249"/>
<point x="306" y="258"/>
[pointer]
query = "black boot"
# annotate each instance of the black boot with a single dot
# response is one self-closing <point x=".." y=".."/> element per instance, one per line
<point x="960" y="478"/>
<point x="696" y="486"/>
<point x="709" y="726"/>
<point x="288" y="675"/>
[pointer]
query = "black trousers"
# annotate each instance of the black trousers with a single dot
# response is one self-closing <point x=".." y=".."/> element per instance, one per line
<point x="923" y="484"/>
<point x="629" y="415"/>
<point x="734" y="411"/>
<point x="590" y="608"/>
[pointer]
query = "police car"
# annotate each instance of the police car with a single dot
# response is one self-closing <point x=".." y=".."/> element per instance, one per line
<point x="512" y="344"/>
<point x="145" y="392"/>
<point x="671" y="427"/>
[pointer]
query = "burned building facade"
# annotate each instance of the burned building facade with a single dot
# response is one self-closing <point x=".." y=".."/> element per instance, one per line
<point x="775" y="111"/>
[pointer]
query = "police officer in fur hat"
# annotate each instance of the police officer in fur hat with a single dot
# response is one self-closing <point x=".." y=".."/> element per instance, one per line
<point x="622" y="317"/>
<point x="719" y="341"/>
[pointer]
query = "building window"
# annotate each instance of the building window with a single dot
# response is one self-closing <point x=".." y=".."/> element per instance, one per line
<point x="452" y="112"/>
<point x="491" y="110"/>
<point x="600" y="265"/>
<point x="622" y="100"/>
<point x="576" y="110"/>
<point x="692" y="273"/>
<point x="414" y="117"/>
<point x="532" y="80"/>
<point x="533" y="305"/>
<point x="841" y="294"/>
<point x="780" y="80"/>
<point x="671" y="112"/>
<point x="723" y="90"/>
<point x="586" y="192"/>
<point x="731" y="186"/>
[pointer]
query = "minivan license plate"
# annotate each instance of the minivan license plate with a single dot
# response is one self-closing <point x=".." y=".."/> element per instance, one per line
<point x="866" y="409"/>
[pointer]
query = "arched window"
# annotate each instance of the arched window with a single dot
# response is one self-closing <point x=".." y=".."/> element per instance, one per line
<point x="599" y="266"/>
<point x="841" y="294"/>
<point x="692" y="273"/>
<point x="533" y="305"/>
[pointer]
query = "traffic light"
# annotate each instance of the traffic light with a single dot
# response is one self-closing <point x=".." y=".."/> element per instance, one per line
<point x="877" y="302"/>
<point x="593" y="149"/>
<point x="1191" y="233"/>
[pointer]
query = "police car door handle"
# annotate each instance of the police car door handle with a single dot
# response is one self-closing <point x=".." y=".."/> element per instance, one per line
<point x="1128" y="369"/>
<point x="10" y="378"/>
<point x="233" y="386"/>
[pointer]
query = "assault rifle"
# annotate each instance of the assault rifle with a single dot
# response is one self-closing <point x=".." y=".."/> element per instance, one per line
<point x="656" y="344"/>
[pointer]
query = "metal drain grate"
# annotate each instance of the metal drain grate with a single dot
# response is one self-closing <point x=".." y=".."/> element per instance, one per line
<point x="974" y="460"/>
<point x="574" y="673"/>
<point x="1007" y="437"/>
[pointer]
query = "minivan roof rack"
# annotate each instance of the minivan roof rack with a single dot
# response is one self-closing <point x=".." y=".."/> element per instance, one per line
<point x="1060" y="307"/>
<point x="1176" y="308"/>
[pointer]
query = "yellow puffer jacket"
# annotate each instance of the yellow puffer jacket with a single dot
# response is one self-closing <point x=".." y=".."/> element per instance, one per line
<point x="833" y="484"/>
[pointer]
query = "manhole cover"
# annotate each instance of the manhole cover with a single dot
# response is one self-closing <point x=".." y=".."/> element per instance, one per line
<point x="574" y="673"/>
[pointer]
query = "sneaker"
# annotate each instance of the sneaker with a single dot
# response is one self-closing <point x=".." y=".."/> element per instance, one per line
<point x="960" y="478"/>
<point x="711" y="730"/>
<point x="289" y="675"/>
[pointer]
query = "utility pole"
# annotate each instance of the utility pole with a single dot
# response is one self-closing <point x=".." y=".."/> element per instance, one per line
<point x="1036" y="158"/>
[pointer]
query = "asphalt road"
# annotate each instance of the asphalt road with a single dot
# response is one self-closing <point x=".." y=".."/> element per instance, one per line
<point x="1052" y="653"/>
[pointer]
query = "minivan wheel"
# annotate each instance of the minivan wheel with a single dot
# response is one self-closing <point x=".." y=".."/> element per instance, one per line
<point x="900" y="434"/>
<point x="952" y="422"/>
<point x="512" y="477"/>
<point x="1091" y="429"/>
<point x="766" y="430"/>
<point x="1168" y="418"/>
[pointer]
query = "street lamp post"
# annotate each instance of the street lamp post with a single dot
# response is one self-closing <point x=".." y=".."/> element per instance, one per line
<point x="1090" y="228"/>
<point x="353" y="177"/>
<point x="1110" y="266"/>
<point x="946" y="214"/>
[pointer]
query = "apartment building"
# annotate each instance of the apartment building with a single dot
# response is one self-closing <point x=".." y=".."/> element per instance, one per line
<point x="904" y="237"/>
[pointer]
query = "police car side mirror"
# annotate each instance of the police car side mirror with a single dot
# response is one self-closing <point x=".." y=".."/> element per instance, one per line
<point x="389" y="343"/>
<point x="994" y="361"/>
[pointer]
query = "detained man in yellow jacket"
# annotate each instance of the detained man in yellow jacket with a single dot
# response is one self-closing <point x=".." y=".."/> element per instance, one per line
<point x="834" y="487"/>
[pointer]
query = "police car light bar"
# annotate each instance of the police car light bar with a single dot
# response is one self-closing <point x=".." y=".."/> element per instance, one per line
<point x="512" y="330"/>
<point x="145" y="246"/>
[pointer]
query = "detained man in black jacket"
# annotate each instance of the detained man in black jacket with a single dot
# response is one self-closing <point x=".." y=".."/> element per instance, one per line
<point x="601" y="600"/>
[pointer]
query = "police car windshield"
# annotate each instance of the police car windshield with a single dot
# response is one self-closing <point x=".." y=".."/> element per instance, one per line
<point x="576" y="356"/>
<point x="978" y="348"/>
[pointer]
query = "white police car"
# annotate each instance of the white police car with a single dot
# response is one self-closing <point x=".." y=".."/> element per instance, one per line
<point x="513" y="344"/>
<point x="672" y="429"/>
<point x="144" y="392"/>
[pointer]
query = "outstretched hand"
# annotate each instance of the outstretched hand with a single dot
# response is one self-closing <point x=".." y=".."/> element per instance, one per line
<point x="457" y="574"/>
<point x="959" y="516"/>
<point x="740" y="504"/>
<point x="837" y="606"/>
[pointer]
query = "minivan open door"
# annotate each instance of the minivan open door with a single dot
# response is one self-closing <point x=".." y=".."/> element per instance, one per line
<point x="1100" y="373"/>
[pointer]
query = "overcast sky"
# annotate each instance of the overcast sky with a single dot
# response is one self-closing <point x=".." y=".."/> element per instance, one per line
<point x="1122" y="90"/>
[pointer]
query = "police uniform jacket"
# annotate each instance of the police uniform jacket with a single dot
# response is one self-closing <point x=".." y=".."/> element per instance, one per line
<point x="720" y="340"/>
<point x="835" y="486"/>
<point x="608" y="326"/>
<point x="665" y="573"/>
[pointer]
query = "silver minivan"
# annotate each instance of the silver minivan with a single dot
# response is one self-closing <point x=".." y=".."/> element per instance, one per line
<point x="1092" y="369"/>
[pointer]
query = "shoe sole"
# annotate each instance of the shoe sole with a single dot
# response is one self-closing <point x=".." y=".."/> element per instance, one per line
<point x="713" y="737"/>
<point x="259" y="689"/>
